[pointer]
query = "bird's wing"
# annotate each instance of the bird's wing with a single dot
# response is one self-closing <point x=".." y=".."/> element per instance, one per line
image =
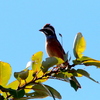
<point x="54" y="48"/>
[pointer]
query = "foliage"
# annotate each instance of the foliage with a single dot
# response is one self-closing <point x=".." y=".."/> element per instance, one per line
<point x="29" y="82"/>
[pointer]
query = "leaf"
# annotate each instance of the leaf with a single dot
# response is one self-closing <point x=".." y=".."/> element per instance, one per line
<point x="49" y="91"/>
<point x="37" y="59"/>
<point x="79" y="45"/>
<point x="21" y="75"/>
<point x="13" y="85"/>
<point x="24" y="74"/>
<point x="92" y="63"/>
<point x="31" y="76"/>
<point x="84" y="58"/>
<point x="39" y="88"/>
<point x="86" y="74"/>
<point x="17" y="93"/>
<point x="41" y="80"/>
<point x="3" y="89"/>
<point x="77" y="62"/>
<point x="37" y="63"/>
<point x="17" y="76"/>
<point x="87" y="61"/>
<point x="59" y="61"/>
<point x="2" y="98"/>
<point x="35" y="95"/>
<point x="74" y="85"/>
<point x="81" y="60"/>
<point x="5" y="73"/>
<point x="68" y="74"/>
<point x="51" y="61"/>
<point x="73" y="78"/>
<point x="54" y="92"/>
<point x="83" y="72"/>
<point x="61" y="76"/>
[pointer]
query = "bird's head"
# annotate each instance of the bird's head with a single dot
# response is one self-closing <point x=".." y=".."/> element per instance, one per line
<point x="49" y="31"/>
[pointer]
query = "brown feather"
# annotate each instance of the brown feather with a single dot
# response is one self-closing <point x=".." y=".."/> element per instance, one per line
<point x="54" y="48"/>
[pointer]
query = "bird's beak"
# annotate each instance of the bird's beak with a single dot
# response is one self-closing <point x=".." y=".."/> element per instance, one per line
<point x="41" y="30"/>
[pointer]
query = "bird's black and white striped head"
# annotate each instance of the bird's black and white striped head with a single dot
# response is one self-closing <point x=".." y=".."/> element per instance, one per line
<point x="48" y="30"/>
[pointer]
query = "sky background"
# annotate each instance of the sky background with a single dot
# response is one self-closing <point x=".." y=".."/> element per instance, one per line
<point x="20" y="21"/>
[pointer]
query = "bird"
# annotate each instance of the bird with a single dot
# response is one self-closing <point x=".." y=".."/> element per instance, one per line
<point x="53" y="46"/>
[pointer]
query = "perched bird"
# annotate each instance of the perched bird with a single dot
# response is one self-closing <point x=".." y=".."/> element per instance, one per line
<point x="53" y="46"/>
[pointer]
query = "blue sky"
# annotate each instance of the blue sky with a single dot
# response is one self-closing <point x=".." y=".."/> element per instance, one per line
<point x="20" y="21"/>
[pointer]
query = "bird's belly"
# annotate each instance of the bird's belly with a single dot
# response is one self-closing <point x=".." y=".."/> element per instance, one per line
<point x="52" y="50"/>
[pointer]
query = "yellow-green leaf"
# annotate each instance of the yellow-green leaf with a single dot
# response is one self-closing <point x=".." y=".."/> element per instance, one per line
<point x="22" y="75"/>
<point x="33" y="75"/>
<point x="5" y="73"/>
<point x="86" y="74"/>
<point x="83" y="72"/>
<point x="61" y="76"/>
<point x="30" y="76"/>
<point x="16" y="75"/>
<point x="68" y="74"/>
<point x="37" y="57"/>
<point x="36" y="61"/>
<point x="88" y="61"/>
<point x="50" y="62"/>
<point x="85" y="58"/>
<point x="60" y="61"/>
<point x="79" y="45"/>
<point x="92" y="63"/>
<point x="13" y="85"/>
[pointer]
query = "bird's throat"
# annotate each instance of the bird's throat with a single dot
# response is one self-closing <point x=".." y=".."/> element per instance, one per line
<point x="51" y="37"/>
